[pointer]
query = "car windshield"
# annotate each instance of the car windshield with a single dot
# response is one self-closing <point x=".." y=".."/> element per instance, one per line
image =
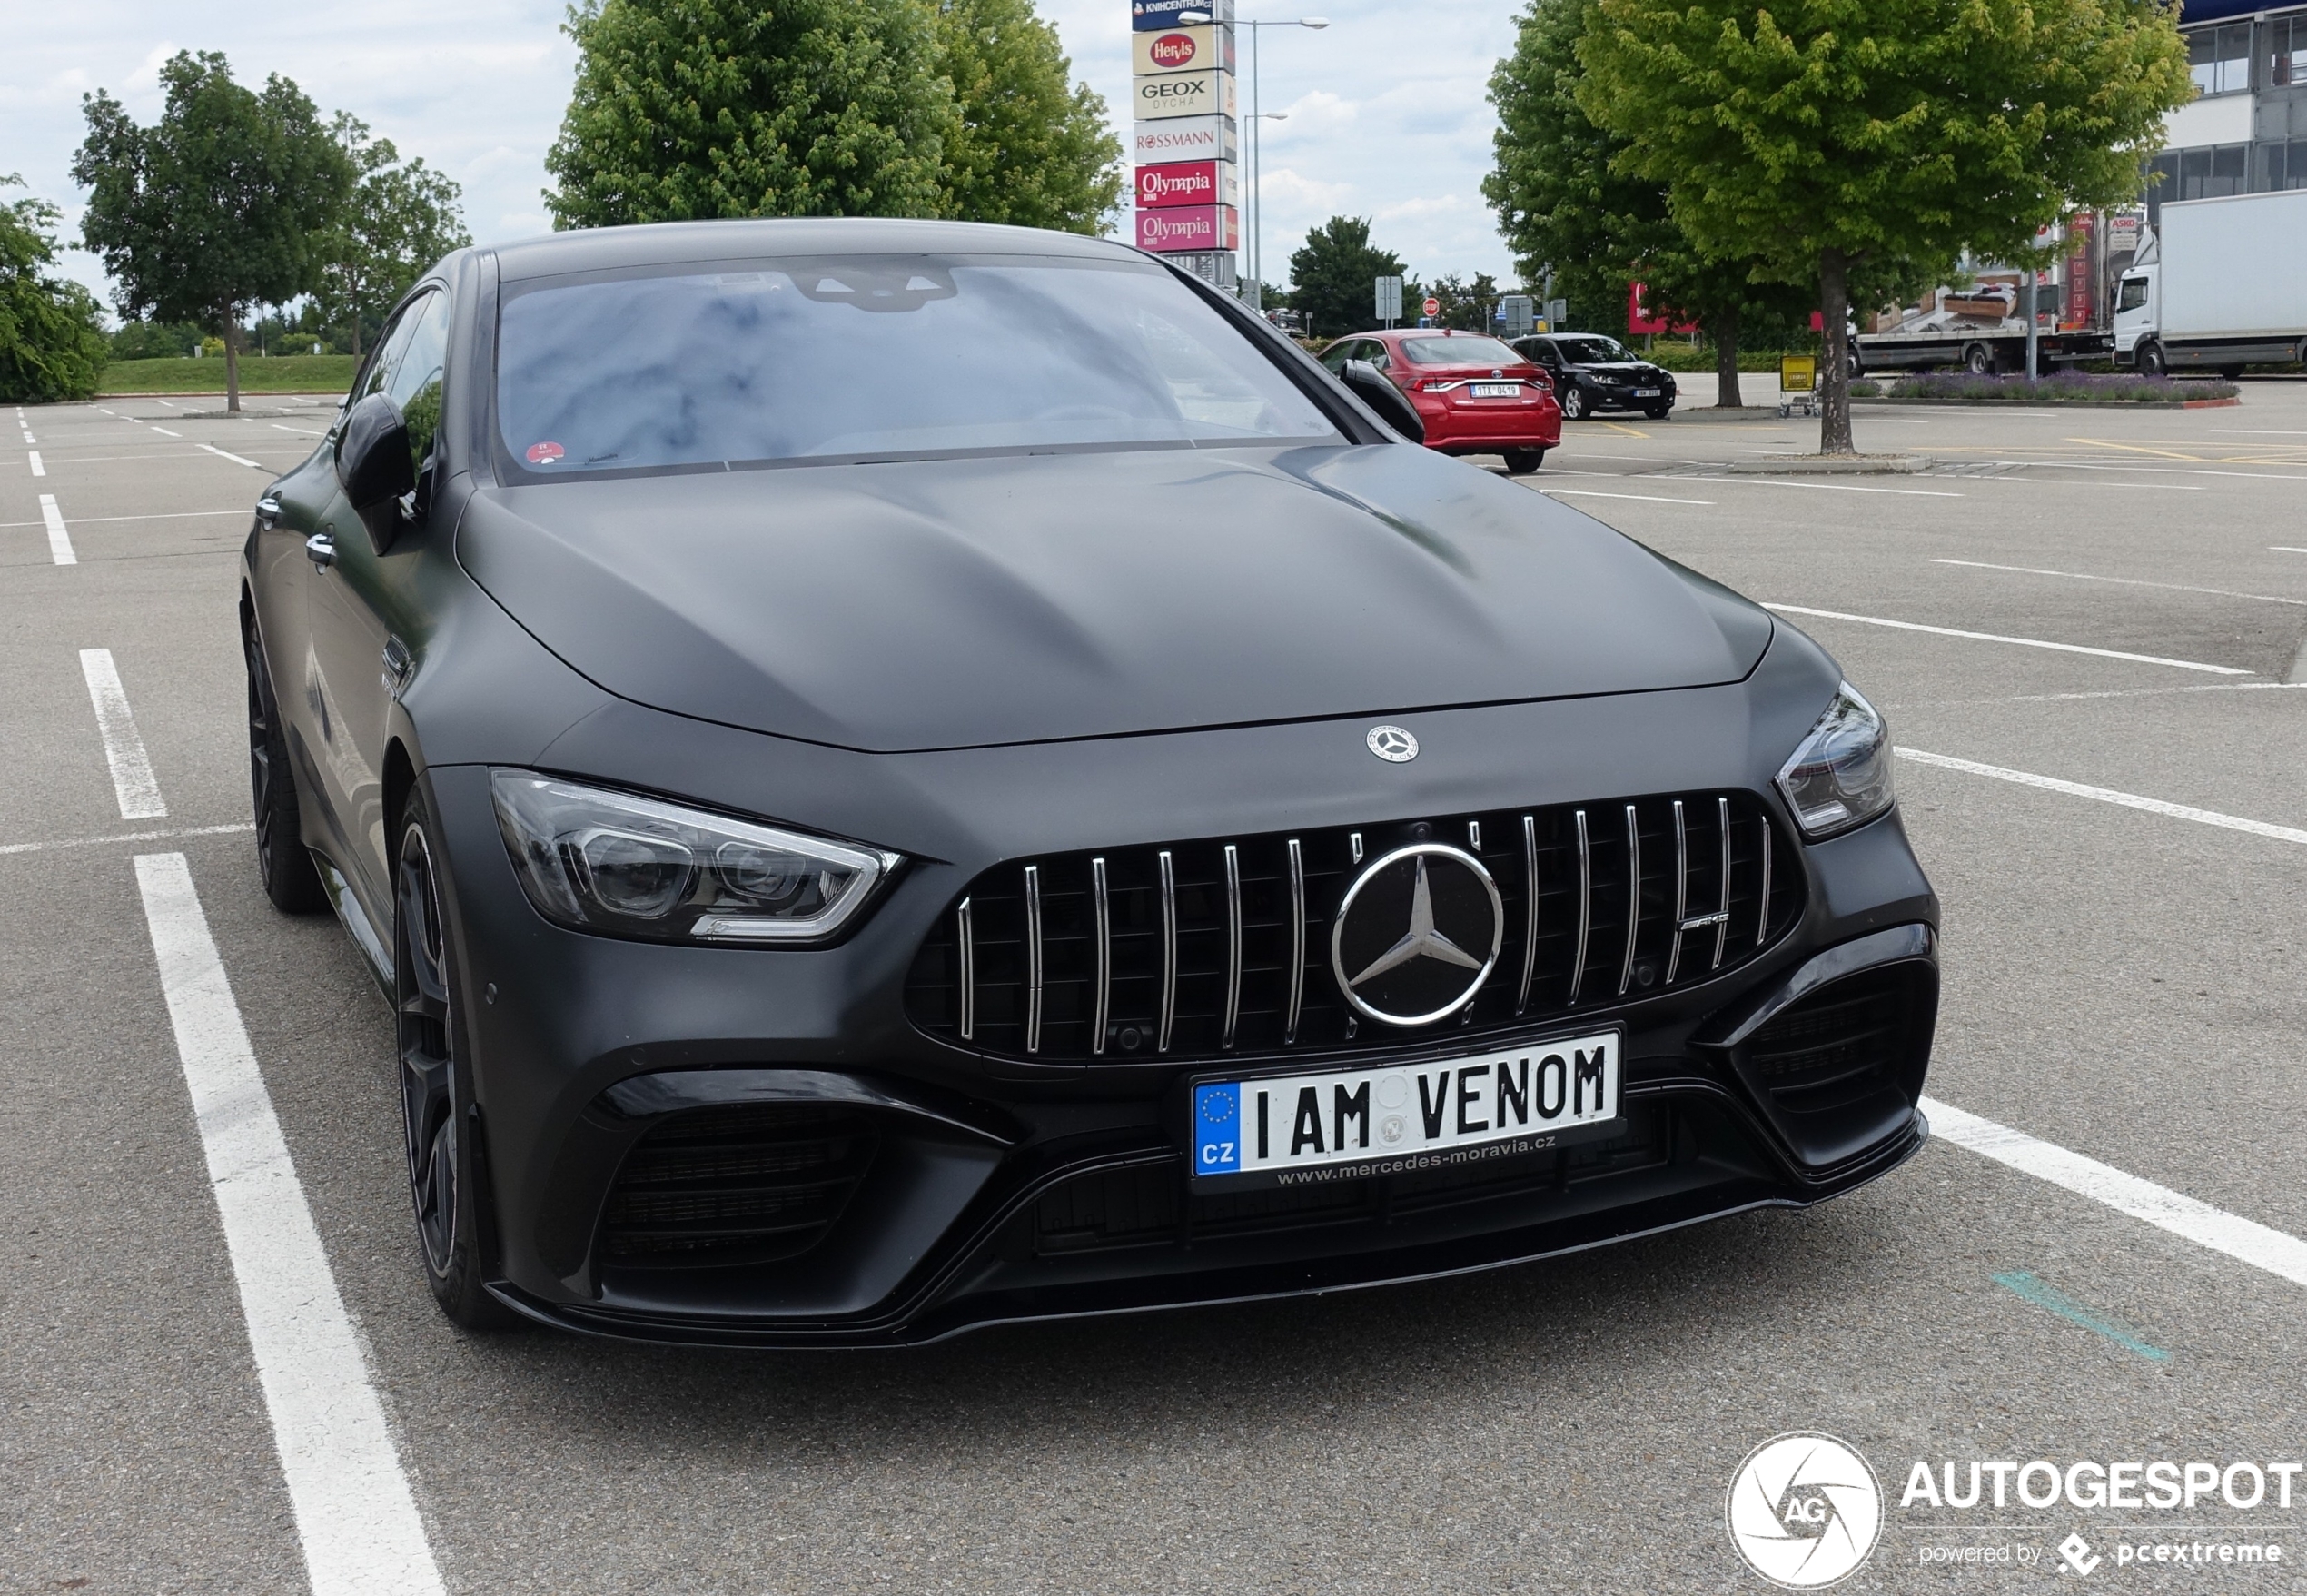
<point x="822" y="359"/>
<point x="1592" y="351"/>
<point x="1460" y="351"/>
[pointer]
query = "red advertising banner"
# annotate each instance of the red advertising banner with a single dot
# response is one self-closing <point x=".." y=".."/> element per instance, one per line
<point x="1188" y="183"/>
<point x="1640" y="321"/>
<point x="1189" y="227"/>
<point x="2080" y="230"/>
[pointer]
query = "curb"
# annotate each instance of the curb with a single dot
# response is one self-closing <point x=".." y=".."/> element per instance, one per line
<point x="1826" y="465"/>
<point x="2068" y="403"/>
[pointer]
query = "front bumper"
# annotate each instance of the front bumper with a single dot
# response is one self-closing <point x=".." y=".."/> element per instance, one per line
<point x="991" y="1189"/>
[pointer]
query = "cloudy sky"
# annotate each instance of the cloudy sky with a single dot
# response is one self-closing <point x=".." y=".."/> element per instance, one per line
<point x="1386" y="116"/>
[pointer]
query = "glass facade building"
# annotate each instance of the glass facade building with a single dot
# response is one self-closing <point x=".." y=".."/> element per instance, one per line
<point x="2246" y="132"/>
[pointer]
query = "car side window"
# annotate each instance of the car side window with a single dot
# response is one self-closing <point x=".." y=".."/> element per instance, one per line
<point x="378" y="378"/>
<point x="1336" y="356"/>
<point x="1375" y="354"/>
<point x="415" y="383"/>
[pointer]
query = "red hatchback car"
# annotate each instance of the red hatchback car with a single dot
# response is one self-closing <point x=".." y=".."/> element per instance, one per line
<point x="1475" y="393"/>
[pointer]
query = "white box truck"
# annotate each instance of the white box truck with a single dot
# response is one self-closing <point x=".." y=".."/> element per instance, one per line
<point x="2220" y="284"/>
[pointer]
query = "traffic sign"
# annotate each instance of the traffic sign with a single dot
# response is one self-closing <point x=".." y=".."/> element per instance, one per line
<point x="1433" y="306"/>
<point x="1389" y="300"/>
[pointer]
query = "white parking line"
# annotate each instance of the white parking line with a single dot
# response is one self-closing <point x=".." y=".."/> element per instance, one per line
<point x="1645" y="498"/>
<point x="2107" y="795"/>
<point x="2280" y="549"/>
<point x="165" y="432"/>
<point x="2128" y="582"/>
<point x="60" y="548"/>
<point x="235" y="459"/>
<point x="35" y="847"/>
<point x="1765" y="481"/>
<point x="132" y="782"/>
<point x="2259" y="431"/>
<point x="1988" y="636"/>
<point x="38" y="470"/>
<point x="2245" y="1240"/>
<point x="355" y="1516"/>
<point x="156" y="515"/>
<point x="302" y="431"/>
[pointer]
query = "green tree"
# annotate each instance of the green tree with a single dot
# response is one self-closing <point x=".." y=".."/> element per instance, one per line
<point x="1333" y="276"/>
<point x="1031" y="148"/>
<point x="1822" y="137"/>
<point x="1467" y="306"/>
<point x="145" y="340"/>
<point x="51" y="337"/>
<point x="397" y="220"/>
<point x="690" y="109"/>
<point x="1564" y="203"/>
<point x="219" y="206"/>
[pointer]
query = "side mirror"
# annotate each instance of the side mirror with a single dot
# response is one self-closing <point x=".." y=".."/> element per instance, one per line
<point x="1370" y="386"/>
<point x="373" y="468"/>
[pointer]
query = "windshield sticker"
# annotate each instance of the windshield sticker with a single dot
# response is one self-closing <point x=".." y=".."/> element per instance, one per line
<point x="545" y="453"/>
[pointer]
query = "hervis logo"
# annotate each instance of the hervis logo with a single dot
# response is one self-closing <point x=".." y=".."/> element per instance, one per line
<point x="1174" y="50"/>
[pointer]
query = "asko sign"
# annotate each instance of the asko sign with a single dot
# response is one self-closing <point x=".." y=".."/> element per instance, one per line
<point x="1186" y="49"/>
<point x="1188" y="183"/>
<point x="1184" y="138"/>
<point x="1189" y="227"/>
<point x="1184" y="93"/>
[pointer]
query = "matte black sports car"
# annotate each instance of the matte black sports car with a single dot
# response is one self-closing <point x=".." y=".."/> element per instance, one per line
<point x="902" y="775"/>
<point x="1592" y="373"/>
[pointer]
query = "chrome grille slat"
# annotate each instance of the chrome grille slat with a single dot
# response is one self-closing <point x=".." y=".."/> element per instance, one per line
<point x="1529" y="914"/>
<point x="1168" y="949"/>
<point x="1221" y="947"/>
<point x="1584" y="908"/>
<point x="1297" y="940"/>
<point x="1633" y="895"/>
<point x="1033" y="958"/>
<point x="1102" y="911"/>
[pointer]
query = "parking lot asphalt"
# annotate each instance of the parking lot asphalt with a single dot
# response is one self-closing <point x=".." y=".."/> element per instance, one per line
<point x="2085" y="627"/>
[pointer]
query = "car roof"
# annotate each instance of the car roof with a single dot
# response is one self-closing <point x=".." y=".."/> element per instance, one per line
<point x="663" y="244"/>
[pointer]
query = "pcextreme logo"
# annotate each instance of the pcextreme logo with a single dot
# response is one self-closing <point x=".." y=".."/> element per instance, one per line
<point x="1804" y="1510"/>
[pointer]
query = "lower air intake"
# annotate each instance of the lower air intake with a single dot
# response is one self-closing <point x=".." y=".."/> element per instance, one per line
<point x="739" y="1183"/>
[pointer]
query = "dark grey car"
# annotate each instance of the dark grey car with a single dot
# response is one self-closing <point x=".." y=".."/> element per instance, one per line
<point x="1593" y="374"/>
<point x="902" y="775"/>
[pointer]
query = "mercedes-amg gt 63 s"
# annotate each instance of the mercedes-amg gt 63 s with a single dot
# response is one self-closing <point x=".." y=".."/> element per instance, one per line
<point x="898" y="776"/>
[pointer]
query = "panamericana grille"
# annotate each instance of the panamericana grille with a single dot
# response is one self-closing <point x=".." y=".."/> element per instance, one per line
<point x="1221" y="947"/>
<point x="739" y="1183"/>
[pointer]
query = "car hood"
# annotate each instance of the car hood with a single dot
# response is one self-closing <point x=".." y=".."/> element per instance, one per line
<point x="1625" y="371"/>
<point x="958" y="603"/>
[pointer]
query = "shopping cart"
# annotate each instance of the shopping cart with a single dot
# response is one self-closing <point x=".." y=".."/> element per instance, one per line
<point x="1797" y="384"/>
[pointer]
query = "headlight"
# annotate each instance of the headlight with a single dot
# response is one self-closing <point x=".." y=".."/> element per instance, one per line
<point x="609" y="861"/>
<point x="1840" y="775"/>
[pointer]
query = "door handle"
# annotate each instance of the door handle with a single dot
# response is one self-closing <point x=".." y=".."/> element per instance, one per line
<point x="398" y="663"/>
<point x="321" y="550"/>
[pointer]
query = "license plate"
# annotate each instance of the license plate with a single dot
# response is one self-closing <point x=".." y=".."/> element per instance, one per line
<point x="1646" y="393"/>
<point x="1497" y="390"/>
<point x="1393" y="1118"/>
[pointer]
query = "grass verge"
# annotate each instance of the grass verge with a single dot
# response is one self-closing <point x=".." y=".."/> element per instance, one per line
<point x="279" y="373"/>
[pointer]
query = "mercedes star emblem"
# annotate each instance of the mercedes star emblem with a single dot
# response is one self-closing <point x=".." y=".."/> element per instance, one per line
<point x="1393" y="744"/>
<point x="1417" y="934"/>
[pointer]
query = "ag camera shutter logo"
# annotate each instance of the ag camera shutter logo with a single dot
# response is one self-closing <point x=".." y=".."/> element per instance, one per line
<point x="1804" y="1510"/>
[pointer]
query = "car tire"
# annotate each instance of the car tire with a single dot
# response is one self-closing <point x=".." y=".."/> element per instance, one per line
<point x="1573" y="403"/>
<point x="1978" y="360"/>
<point x="455" y="1215"/>
<point x="1658" y="412"/>
<point x="2151" y="359"/>
<point x="290" y="881"/>
<point x="1520" y="462"/>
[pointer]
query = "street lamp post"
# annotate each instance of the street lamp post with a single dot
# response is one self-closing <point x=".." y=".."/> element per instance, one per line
<point x="1257" y="207"/>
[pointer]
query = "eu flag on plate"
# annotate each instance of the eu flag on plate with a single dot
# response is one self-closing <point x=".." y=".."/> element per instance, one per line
<point x="1217" y="1129"/>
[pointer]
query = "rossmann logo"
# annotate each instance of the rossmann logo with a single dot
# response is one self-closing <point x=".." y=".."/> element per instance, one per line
<point x="1172" y="50"/>
<point x="1154" y="188"/>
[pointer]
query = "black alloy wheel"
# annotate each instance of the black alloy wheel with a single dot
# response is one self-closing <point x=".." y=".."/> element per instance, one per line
<point x="290" y="881"/>
<point x="436" y="1100"/>
<point x="1573" y="403"/>
<point x="1520" y="462"/>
